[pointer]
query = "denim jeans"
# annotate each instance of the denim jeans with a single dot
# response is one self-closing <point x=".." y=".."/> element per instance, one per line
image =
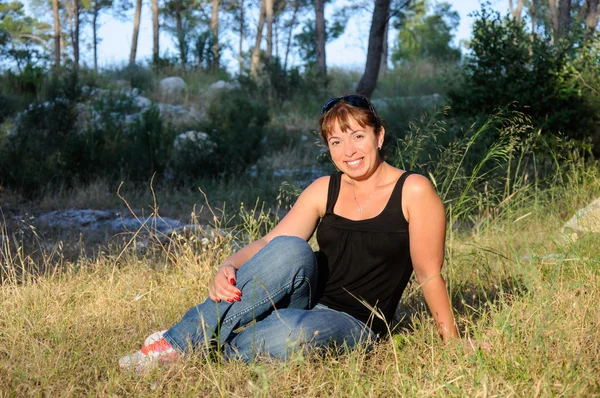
<point x="278" y="287"/>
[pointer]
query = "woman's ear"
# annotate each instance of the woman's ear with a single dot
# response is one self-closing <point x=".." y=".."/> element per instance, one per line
<point x="380" y="137"/>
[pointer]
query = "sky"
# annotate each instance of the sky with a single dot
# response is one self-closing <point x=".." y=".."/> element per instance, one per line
<point x="348" y="51"/>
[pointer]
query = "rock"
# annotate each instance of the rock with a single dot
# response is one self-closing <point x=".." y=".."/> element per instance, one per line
<point x="223" y="85"/>
<point x="75" y="218"/>
<point x="171" y="86"/>
<point x="121" y="85"/>
<point x="194" y="140"/>
<point x="586" y="220"/>
<point x="141" y="102"/>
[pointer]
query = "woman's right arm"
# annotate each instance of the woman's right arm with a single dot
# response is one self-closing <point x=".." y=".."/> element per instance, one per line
<point x="300" y="221"/>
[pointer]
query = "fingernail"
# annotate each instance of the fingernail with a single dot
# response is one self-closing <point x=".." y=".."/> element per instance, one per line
<point x="232" y="281"/>
<point x="230" y="300"/>
<point x="239" y="294"/>
<point x="237" y="299"/>
<point x="218" y="300"/>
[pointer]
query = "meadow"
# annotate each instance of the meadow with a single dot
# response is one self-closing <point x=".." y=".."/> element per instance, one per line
<point x="524" y="292"/>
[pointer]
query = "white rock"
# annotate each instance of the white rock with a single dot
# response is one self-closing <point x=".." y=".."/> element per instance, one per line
<point x="222" y="85"/>
<point x="586" y="220"/>
<point x="141" y="102"/>
<point x="121" y="85"/>
<point x="171" y="85"/>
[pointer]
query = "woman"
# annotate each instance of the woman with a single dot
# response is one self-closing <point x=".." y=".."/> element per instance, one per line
<point x="365" y="215"/>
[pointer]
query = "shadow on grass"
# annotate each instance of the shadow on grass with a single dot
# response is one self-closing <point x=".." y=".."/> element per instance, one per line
<point x="470" y="302"/>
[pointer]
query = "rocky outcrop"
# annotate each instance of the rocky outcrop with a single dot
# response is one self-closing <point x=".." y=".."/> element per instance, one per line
<point x="584" y="221"/>
<point x="171" y="86"/>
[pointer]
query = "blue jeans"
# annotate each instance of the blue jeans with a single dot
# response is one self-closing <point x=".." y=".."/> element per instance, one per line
<point x="278" y="287"/>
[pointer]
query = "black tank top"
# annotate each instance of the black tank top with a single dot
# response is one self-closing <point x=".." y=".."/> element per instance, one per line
<point x="366" y="259"/>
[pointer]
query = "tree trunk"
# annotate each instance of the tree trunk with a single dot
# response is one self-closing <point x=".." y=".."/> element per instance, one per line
<point x="564" y="18"/>
<point x="214" y="27"/>
<point x="589" y="14"/>
<point x="136" y="31"/>
<point x="289" y="40"/>
<point x="368" y="82"/>
<point x="516" y="13"/>
<point x="554" y="18"/>
<point x="384" y="53"/>
<point x="256" y="51"/>
<point x="155" y="32"/>
<point x="76" y="34"/>
<point x="240" y="50"/>
<point x="56" y="33"/>
<point x="320" y="37"/>
<point x="95" y="33"/>
<point x="180" y="37"/>
<point x="269" y="16"/>
<point x="533" y="15"/>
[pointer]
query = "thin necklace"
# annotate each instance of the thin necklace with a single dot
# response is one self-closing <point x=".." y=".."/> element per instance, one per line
<point x="362" y="207"/>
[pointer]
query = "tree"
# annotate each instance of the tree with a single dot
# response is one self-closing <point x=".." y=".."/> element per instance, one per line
<point x="305" y="40"/>
<point x="368" y="82"/>
<point x="56" y="36"/>
<point x="254" y="63"/>
<point x="516" y="12"/>
<point x="22" y="38"/>
<point x="214" y="27"/>
<point x="269" y="17"/>
<point x="320" y="37"/>
<point x="425" y="35"/>
<point x="97" y="6"/>
<point x="75" y="38"/>
<point x="560" y="11"/>
<point x="589" y="13"/>
<point x="155" y="31"/>
<point x="136" y="31"/>
<point x="297" y="6"/>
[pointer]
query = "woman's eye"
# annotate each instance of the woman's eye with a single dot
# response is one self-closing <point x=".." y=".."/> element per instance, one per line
<point x="334" y="143"/>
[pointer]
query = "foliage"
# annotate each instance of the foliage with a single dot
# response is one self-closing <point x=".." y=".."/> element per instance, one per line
<point x="236" y="123"/>
<point x="505" y="66"/>
<point x="425" y="36"/>
<point x="305" y="40"/>
<point x="23" y="39"/>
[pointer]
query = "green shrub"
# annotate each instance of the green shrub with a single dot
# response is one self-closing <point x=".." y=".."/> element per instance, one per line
<point x="505" y="66"/>
<point x="236" y="123"/>
<point x="44" y="148"/>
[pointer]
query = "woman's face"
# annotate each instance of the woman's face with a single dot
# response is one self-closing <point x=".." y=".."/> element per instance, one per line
<point x="355" y="151"/>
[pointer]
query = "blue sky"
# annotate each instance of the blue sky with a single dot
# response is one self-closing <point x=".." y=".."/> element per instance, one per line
<point x="348" y="51"/>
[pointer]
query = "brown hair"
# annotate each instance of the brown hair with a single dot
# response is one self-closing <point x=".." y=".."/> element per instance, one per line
<point x="341" y="112"/>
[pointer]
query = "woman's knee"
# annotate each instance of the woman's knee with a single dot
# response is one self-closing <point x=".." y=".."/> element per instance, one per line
<point x="293" y="252"/>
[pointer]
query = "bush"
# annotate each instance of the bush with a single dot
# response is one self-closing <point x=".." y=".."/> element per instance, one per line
<point x="236" y="123"/>
<point x="43" y="150"/>
<point x="506" y="67"/>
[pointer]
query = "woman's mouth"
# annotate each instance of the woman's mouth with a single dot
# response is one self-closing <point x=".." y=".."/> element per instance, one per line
<point x="354" y="163"/>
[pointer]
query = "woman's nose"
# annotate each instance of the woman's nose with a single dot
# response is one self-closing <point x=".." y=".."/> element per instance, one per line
<point x="349" y="149"/>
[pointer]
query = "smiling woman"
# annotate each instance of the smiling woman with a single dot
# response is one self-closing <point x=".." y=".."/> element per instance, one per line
<point x="345" y="294"/>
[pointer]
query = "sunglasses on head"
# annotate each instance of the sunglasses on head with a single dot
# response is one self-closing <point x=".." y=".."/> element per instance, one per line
<point x="354" y="100"/>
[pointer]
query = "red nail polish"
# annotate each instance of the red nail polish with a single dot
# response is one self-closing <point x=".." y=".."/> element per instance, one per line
<point x="232" y="281"/>
<point x="237" y="299"/>
<point x="239" y="294"/>
<point x="230" y="300"/>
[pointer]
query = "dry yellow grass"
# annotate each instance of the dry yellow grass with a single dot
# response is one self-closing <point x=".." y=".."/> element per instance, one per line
<point x="516" y="286"/>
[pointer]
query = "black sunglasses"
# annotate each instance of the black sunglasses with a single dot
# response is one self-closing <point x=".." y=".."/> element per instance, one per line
<point x="354" y="100"/>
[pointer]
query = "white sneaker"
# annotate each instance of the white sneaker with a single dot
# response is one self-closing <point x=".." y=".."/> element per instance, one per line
<point x="155" y="350"/>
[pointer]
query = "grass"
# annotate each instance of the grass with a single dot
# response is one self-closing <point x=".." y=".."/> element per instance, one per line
<point x="517" y="285"/>
<point x="71" y="305"/>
